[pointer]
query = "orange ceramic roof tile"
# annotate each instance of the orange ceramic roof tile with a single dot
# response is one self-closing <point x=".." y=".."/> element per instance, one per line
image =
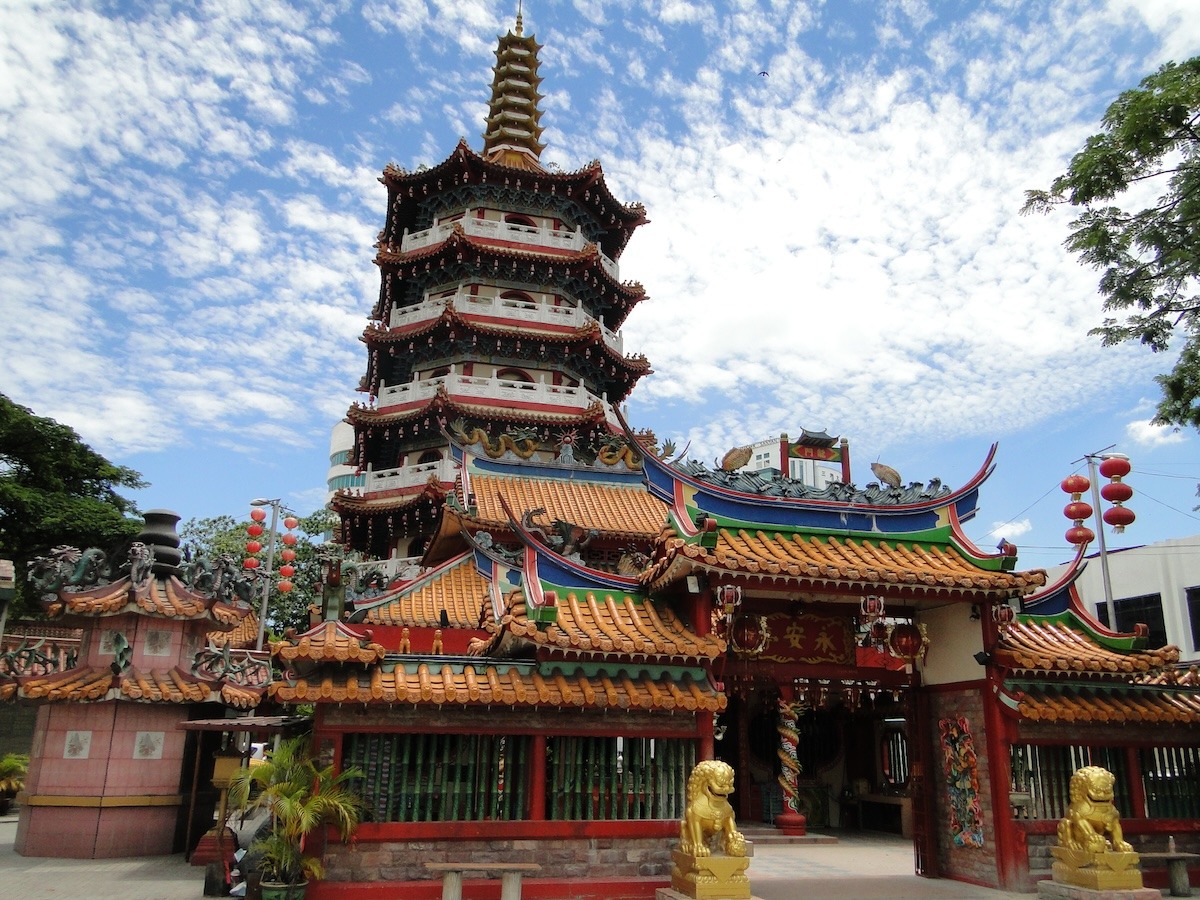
<point x="97" y="684"/>
<point x="330" y="642"/>
<point x="241" y="697"/>
<point x="455" y="586"/>
<point x="831" y="561"/>
<point x="388" y="503"/>
<point x="487" y="685"/>
<point x="613" y="510"/>
<point x="170" y="686"/>
<point x="1158" y="708"/>
<point x="610" y="624"/>
<point x="167" y="597"/>
<point x="81" y="683"/>
<point x="1055" y="646"/>
<point x="1189" y="677"/>
<point x="243" y="635"/>
<point x="8" y="689"/>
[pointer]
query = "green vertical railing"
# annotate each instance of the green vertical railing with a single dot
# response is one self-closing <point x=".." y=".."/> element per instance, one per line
<point x="440" y="778"/>
<point x="609" y="778"/>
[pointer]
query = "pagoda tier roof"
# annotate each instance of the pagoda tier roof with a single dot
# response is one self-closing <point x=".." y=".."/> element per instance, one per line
<point x="1068" y="644"/>
<point x="585" y="187"/>
<point x="852" y="564"/>
<point x="346" y="502"/>
<point x="1073" y="704"/>
<point x="589" y="335"/>
<point x="455" y="588"/>
<point x="442" y="405"/>
<point x="611" y="623"/>
<point x="244" y="635"/>
<point x="481" y="684"/>
<point x="525" y="262"/>
<point x="161" y="597"/>
<point x="329" y="642"/>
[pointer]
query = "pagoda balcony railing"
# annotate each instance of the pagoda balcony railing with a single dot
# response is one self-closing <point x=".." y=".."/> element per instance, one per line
<point x="519" y="312"/>
<point x="412" y="476"/>
<point x="489" y="229"/>
<point x="503" y="393"/>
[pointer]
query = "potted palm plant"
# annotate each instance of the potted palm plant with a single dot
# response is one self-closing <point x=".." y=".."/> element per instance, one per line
<point x="301" y="800"/>
<point x="13" y="769"/>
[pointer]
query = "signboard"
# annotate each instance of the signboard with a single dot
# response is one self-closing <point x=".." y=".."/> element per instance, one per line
<point x="821" y="454"/>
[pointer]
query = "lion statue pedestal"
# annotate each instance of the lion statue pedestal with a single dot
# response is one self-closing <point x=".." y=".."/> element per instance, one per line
<point x="699" y="873"/>
<point x="1092" y="854"/>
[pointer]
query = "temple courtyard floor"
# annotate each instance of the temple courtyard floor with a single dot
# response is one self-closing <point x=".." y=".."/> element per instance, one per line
<point x="859" y="866"/>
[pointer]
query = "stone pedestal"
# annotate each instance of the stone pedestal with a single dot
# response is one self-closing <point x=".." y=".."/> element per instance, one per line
<point x="1054" y="890"/>
<point x="710" y="877"/>
<point x="1110" y="870"/>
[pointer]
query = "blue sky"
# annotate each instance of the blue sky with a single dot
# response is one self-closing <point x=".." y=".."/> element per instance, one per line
<point x="189" y="198"/>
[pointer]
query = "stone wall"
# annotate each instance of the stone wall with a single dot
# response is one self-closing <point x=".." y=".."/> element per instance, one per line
<point x="973" y="864"/>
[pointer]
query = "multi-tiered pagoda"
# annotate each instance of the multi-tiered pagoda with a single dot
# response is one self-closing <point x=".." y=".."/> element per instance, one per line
<point x="498" y="317"/>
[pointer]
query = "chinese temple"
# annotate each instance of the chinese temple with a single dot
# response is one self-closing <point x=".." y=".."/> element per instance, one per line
<point x="546" y="617"/>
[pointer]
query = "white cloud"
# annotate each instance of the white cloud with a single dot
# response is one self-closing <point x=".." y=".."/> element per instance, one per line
<point x="1146" y="434"/>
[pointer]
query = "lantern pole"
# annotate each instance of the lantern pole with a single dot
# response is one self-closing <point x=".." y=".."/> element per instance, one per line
<point x="266" y="592"/>
<point x="1108" y="594"/>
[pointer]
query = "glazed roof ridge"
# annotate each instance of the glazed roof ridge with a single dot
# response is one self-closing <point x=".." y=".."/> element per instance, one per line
<point x="488" y="683"/>
<point x="607" y="624"/>
<point x="829" y="560"/>
<point x="1063" y="644"/>
<point x="330" y="641"/>
<point x="161" y="597"/>
<point x="454" y="587"/>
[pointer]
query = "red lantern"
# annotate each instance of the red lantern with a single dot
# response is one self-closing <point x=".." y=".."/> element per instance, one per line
<point x="287" y="571"/>
<point x="1114" y="467"/>
<point x="1118" y="517"/>
<point x="289" y="539"/>
<point x="1077" y="510"/>
<point x="258" y="514"/>
<point x="1080" y="534"/>
<point x="250" y="563"/>
<point x="287" y="554"/>
<point x="907" y="641"/>
<point x="290" y="522"/>
<point x="1075" y="484"/>
<point x="254" y="529"/>
<point x="253" y="547"/>
<point x="748" y="634"/>
<point x="285" y="586"/>
<point x="1116" y="492"/>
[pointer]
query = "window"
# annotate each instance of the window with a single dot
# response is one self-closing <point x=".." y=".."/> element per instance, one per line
<point x="1132" y="611"/>
<point x="893" y="753"/>
<point x="1193" y="608"/>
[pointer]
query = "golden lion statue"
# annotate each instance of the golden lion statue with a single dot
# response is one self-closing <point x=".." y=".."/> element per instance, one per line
<point x="1091" y="814"/>
<point x="708" y="811"/>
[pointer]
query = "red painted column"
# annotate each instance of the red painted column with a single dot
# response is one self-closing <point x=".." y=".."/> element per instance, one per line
<point x="1012" y="862"/>
<point x="708" y="749"/>
<point x="1137" y="787"/>
<point x="537" y="779"/>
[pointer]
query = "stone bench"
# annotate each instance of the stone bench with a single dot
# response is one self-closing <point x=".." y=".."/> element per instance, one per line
<point x="1177" y="872"/>
<point x="510" y="876"/>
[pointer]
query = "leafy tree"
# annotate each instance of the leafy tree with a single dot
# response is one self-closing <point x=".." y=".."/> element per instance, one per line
<point x="1150" y="258"/>
<point x="219" y="535"/>
<point x="55" y="489"/>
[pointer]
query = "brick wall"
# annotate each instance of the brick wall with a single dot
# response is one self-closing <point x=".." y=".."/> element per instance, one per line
<point x="559" y="858"/>
<point x="973" y="864"/>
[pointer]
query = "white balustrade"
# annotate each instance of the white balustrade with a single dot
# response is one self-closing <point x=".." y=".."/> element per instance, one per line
<point x="529" y="235"/>
<point x="492" y="391"/>
<point x="517" y="310"/>
<point x="408" y="476"/>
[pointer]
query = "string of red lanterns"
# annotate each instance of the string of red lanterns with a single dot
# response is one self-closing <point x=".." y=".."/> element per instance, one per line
<point x="1116" y="492"/>
<point x="287" y="554"/>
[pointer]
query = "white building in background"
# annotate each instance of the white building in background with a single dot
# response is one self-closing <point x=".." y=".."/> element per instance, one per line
<point x="341" y="474"/>
<point x="768" y="454"/>
<point x="1155" y="584"/>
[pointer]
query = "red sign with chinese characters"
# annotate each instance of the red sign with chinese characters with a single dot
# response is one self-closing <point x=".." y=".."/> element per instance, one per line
<point x="809" y="639"/>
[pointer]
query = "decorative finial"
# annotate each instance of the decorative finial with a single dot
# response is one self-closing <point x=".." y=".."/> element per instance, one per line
<point x="520" y="27"/>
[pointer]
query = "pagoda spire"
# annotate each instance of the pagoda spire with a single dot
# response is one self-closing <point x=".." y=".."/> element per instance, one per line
<point x="512" y="136"/>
